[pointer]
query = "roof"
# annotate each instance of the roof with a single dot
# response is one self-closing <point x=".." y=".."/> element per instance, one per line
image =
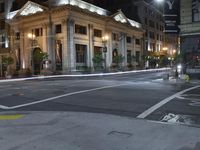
<point x="31" y="8"/>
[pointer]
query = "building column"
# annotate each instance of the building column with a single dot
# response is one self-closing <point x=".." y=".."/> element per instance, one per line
<point x="22" y="50"/>
<point x="90" y="53"/>
<point x="65" y="61"/>
<point x="51" y="45"/>
<point x="70" y="45"/>
<point x="44" y="38"/>
<point x="123" y="47"/>
<point x="109" y="49"/>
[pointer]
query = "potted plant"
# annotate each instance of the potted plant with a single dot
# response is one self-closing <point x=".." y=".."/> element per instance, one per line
<point x="117" y="61"/>
<point x="98" y="62"/>
<point x="7" y="62"/>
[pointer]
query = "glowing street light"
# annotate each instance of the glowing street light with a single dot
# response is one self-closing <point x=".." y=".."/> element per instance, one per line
<point x="174" y="51"/>
<point x="31" y="36"/>
<point x="164" y="48"/>
<point x="159" y="1"/>
<point x="105" y="38"/>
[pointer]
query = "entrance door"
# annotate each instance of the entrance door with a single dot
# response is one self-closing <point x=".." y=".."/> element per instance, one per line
<point x="37" y="61"/>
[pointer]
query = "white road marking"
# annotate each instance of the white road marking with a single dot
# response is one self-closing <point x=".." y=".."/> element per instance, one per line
<point x="84" y="75"/>
<point x="60" y="96"/>
<point x="163" y="102"/>
<point x="3" y="107"/>
<point x="187" y="98"/>
<point x="195" y="103"/>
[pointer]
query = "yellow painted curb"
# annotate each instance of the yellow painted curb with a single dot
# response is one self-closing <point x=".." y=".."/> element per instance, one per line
<point x="10" y="117"/>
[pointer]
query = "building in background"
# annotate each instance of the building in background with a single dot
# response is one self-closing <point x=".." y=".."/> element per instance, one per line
<point x="190" y="32"/>
<point x="71" y="33"/>
<point x="153" y="23"/>
<point x="160" y="21"/>
<point x="172" y="19"/>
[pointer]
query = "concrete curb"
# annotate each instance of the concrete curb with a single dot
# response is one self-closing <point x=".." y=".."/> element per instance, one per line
<point x="82" y="75"/>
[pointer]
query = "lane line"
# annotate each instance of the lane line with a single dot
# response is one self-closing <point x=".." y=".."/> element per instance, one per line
<point x="163" y="102"/>
<point x="64" y="95"/>
<point x="188" y="98"/>
<point x="84" y="75"/>
<point x="3" y="107"/>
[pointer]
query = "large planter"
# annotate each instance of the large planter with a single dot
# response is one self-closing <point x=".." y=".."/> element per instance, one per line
<point x="24" y="73"/>
<point x="8" y="76"/>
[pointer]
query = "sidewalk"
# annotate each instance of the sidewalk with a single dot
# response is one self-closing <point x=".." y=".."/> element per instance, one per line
<point x="89" y="131"/>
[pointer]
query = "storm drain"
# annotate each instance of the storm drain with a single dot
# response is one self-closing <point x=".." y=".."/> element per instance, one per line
<point x="181" y="119"/>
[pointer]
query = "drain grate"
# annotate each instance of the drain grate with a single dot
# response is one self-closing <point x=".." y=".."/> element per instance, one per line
<point x="182" y="119"/>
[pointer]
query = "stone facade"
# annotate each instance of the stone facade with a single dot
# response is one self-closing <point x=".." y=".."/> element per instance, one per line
<point x="71" y="34"/>
<point x="153" y="23"/>
<point x="190" y="32"/>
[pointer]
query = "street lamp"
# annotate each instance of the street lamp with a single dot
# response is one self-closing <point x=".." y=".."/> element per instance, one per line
<point x="164" y="48"/>
<point x="159" y="1"/>
<point x="105" y="40"/>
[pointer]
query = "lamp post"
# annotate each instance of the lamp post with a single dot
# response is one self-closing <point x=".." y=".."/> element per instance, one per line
<point x="105" y="40"/>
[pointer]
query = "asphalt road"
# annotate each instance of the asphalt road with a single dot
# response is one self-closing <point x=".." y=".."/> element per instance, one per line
<point x="133" y="95"/>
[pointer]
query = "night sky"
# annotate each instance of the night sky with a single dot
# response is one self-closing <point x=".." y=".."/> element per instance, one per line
<point x="127" y="6"/>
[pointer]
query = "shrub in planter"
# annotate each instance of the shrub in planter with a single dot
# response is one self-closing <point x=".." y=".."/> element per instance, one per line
<point x="118" y="60"/>
<point x="7" y="61"/>
<point x="24" y="73"/>
<point x="98" y="62"/>
<point x="46" y="72"/>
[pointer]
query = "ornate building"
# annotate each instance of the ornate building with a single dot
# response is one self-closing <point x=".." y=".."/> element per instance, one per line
<point x="190" y="32"/>
<point x="71" y="32"/>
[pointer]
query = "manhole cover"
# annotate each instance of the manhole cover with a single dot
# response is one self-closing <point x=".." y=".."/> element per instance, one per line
<point x="120" y="134"/>
<point x="17" y="94"/>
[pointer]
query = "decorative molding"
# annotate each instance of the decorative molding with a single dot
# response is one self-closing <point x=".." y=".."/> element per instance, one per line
<point x="70" y="21"/>
<point x="64" y="21"/>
